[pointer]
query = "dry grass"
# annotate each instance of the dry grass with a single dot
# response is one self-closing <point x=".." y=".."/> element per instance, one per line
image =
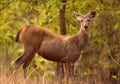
<point x="16" y="78"/>
<point x="6" y="77"/>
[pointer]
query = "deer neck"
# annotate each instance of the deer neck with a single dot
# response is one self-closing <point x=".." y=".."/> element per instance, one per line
<point x="81" y="39"/>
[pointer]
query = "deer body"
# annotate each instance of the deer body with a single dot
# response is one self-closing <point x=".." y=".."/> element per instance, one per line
<point x="58" y="48"/>
<point x="53" y="47"/>
<point x="62" y="48"/>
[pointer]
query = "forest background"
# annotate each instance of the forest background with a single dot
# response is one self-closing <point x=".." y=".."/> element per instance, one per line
<point x="100" y="63"/>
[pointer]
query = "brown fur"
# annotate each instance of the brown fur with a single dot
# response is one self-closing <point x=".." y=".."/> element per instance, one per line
<point x="58" y="48"/>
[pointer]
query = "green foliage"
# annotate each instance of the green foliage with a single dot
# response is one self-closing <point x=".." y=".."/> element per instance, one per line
<point x="114" y="77"/>
<point x="104" y="33"/>
<point x="87" y="72"/>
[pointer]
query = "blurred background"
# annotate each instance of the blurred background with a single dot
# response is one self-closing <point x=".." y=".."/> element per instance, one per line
<point x="100" y="63"/>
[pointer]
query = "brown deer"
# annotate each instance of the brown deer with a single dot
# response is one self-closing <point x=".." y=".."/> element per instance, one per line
<point x="58" y="48"/>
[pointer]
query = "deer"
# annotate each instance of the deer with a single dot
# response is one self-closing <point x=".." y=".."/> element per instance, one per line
<point x="63" y="49"/>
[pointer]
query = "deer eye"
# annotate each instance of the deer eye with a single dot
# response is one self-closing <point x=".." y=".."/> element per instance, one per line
<point x="81" y="20"/>
<point x="88" y="20"/>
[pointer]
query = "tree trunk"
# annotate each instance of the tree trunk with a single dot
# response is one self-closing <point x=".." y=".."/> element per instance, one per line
<point x="62" y="18"/>
<point x="60" y="68"/>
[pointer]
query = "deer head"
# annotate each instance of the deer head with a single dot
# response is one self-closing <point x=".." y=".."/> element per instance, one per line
<point x="86" y="19"/>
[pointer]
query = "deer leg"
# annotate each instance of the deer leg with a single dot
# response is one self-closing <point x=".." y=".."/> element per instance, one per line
<point x="66" y="73"/>
<point x="60" y="72"/>
<point x="16" y="64"/>
<point x="23" y="58"/>
<point x="26" y="64"/>
<point x="71" y="72"/>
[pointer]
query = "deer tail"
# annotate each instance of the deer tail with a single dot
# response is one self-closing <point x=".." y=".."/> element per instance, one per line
<point x="17" y="35"/>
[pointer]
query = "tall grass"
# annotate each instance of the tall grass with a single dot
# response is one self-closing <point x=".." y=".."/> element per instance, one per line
<point x="34" y="77"/>
<point x="8" y="77"/>
<point x="17" y="78"/>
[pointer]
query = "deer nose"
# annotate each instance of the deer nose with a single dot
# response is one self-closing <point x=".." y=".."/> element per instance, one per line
<point x="85" y="27"/>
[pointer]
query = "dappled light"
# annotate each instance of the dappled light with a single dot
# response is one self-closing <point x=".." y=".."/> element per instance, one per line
<point x="99" y="61"/>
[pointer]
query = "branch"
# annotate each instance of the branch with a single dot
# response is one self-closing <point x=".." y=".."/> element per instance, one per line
<point x="21" y="18"/>
<point x="6" y="5"/>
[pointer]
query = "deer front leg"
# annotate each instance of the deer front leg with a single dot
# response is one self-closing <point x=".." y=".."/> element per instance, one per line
<point x="71" y="72"/>
<point x="66" y="67"/>
<point x="60" y="72"/>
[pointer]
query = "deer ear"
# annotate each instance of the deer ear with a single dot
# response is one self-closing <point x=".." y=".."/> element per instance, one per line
<point x="93" y="14"/>
<point x="78" y="15"/>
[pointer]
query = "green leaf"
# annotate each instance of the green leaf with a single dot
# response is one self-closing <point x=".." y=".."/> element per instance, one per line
<point x="114" y="77"/>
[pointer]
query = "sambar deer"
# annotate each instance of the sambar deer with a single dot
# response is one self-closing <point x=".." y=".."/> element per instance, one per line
<point x="58" y="48"/>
